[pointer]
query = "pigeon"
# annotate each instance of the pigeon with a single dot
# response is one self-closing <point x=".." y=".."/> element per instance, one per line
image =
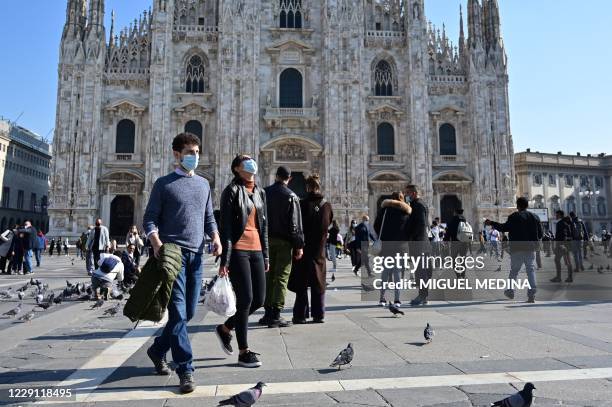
<point x="21" y="295"/>
<point x="58" y="299"/>
<point x="39" y="298"/>
<point x="69" y="284"/>
<point x="523" y="398"/>
<point x="246" y="398"/>
<point x="428" y="333"/>
<point x="84" y="297"/>
<point x="36" y="282"/>
<point x="14" y="312"/>
<point x="345" y="357"/>
<point x="333" y="278"/>
<point x="395" y="310"/>
<point x="98" y="304"/>
<point x="44" y="305"/>
<point x="27" y="317"/>
<point x="87" y="289"/>
<point x="113" y="310"/>
<point x="24" y="288"/>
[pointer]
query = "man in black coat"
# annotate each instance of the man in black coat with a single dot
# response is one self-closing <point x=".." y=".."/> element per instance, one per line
<point x="525" y="233"/>
<point x="564" y="236"/>
<point x="285" y="237"/>
<point x="418" y="240"/>
<point x="457" y="248"/>
<point x="363" y="235"/>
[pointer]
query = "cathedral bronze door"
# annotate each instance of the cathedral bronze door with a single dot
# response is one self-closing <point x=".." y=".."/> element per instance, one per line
<point x="298" y="184"/>
<point x="448" y="205"/>
<point x="121" y="217"/>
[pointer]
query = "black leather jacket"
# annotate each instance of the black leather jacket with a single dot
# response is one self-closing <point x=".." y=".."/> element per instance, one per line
<point x="284" y="215"/>
<point x="235" y="209"/>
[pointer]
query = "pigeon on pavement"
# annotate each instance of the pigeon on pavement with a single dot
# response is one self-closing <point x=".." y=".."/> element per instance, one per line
<point x="27" y="317"/>
<point x="44" y="305"/>
<point x="14" y="312"/>
<point x="113" y="310"/>
<point x="333" y="278"/>
<point x="395" y="310"/>
<point x="345" y="357"/>
<point x="58" y="299"/>
<point x="98" y="304"/>
<point x="21" y="295"/>
<point x="246" y="398"/>
<point x="39" y="298"/>
<point x="428" y="333"/>
<point x="523" y="398"/>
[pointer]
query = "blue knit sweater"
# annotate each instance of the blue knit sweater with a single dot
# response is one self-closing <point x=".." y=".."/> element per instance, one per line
<point x="180" y="209"/>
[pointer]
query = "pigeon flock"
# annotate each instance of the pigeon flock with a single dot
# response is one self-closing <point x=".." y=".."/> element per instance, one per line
<point x="45" y="298"/>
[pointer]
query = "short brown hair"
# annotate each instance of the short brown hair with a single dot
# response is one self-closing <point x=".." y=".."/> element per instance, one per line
<point x="412" y="188"/>
<point x="397" y="196"/>
<point x="185" y="139"/>
<point x="313" y="183"/>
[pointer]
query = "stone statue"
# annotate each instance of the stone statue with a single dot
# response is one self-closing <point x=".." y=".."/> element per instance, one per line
<point x="268" y="100"/>
<point x="315" y="100"/>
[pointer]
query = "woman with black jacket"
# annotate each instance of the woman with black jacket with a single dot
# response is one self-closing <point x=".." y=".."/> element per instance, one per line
<point x="392" y="232"/>
<point x="244" y="237"/>
<point x="310" y="270"/>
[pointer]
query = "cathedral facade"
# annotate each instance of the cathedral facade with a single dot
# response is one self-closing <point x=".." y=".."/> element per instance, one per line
<point x="367" y="93"/>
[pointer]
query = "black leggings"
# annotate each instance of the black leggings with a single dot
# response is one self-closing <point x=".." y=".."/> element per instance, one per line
<point x="248" y="278"/>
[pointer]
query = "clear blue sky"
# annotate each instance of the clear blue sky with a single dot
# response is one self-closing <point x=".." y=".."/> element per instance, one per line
<point x="560" y="54"/>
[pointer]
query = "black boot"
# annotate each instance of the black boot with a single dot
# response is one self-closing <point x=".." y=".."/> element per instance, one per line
<point x="267" y="318"/>
<point x="278" y="321"/>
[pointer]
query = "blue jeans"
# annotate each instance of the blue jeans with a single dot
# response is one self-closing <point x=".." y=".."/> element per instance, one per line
<point x="27" y="261"/>
<point x="37" y="253"/>
<point x="517" y="259"/>
<point x="182" y="307"/>
<point x="577" y="252"/>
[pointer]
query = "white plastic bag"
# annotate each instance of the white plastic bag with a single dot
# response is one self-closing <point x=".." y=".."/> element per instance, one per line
<point x="221" y="299"/>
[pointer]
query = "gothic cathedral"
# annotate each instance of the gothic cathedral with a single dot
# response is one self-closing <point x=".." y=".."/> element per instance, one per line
<point x="366" y="93"/>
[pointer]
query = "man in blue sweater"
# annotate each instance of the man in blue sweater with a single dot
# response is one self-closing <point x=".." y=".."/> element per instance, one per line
<point x="180" y="211"/>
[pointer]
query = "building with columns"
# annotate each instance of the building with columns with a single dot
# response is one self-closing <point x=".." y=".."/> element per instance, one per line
<point x="367" y="93"/>
<point x="573" y="183"/>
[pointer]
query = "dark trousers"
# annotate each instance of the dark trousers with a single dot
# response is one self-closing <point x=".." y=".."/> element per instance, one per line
<point x="562" y="252"/>
<point x="423" y="274"/>
<point x="248" y="277"/>
<point x="96" y="256"/>
<point x="301" y="310"/>
<point x="363" y="258"/>
<point x="181" y="308"/>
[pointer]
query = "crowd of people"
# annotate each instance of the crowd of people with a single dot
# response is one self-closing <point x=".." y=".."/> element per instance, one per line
<point x="268" y="241"/>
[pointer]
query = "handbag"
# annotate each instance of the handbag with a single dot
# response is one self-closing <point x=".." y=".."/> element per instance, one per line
<point x="376" y="248"/>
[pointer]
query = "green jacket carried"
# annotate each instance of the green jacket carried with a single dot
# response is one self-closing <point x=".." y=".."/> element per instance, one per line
<point x="151" y="294"/>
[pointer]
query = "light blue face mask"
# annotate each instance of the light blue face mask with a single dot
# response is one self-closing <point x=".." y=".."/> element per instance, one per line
<point x="190" y="162"/>
<point x="250" y="166"/>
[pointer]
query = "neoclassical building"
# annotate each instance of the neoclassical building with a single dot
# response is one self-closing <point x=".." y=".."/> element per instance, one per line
<point x="366" y="93"/>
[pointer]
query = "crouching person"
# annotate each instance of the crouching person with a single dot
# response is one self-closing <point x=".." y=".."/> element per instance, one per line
<point x="130" y="267"/>
<point x="109" y="268"/>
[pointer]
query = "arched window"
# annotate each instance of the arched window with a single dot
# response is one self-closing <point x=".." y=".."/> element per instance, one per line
<point x="290" y="88"/>
<point x="126" y="134"/>
<point x="290" y="14"/>
<point x="448" y="140"/>
<point x="195" y="75"/>
<point x="383" y="79"/>
<point x="194" y="127"/>
<point x="601" y="206"/>
<point x="385" y="139"/>
<point x="570" y="204"/>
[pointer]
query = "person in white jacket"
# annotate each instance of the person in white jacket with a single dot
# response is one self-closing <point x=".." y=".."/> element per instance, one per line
<point x="110" y="267"/>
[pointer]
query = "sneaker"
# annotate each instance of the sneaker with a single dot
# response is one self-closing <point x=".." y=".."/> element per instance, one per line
<point x="187" y="385"/>
<point x="418" y="301"/>
<point x="531" y="299"/>
<point x="298" y="321"/>
<point x="161" y="366"/>
<point x="509" y="294"/>
<point x="397" y="304"/>
<point x="225" y="340"/>
<point x="356" y="272"/>
<point x="249" y="359"/>
<point x="569" y="280"/>
<point x="555" y="280"/>
<point x="383" y="303"/>
<point x="279" y="323"/>
<point x="318" y="321"/>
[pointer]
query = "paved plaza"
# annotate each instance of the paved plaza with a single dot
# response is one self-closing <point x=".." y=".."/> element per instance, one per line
<point x="482" y="351"/>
